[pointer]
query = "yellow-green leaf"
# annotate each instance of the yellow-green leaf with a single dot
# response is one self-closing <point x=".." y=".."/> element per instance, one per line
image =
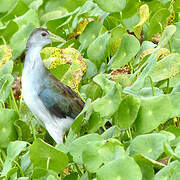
<point x="144" y="16"/>
<point x="68" y="60"/>
<point x="5" y="54"/>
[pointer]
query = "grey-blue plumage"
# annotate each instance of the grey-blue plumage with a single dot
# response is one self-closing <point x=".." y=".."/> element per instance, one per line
<point x="53" y="103"/>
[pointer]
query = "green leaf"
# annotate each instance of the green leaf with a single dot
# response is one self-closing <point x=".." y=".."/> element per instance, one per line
<point x="175" y="41"/>
<point x="101" y="43"/>
<point x="23" y="130"/>
<point x="148" y="161"/>
<point x="19" y="39"/>
<point x="8" y="30"/>
<point x="103" y="81"/>
<point x="7" y="68"/>
<point x="112" y="150"/>
<point x="171" y="171"/>
<point x="153" y="112"/>
<point x="128" y="48"/>
<point x="146" y="70"/>
<point x="6" y="81"/>
<point x="7" y="130"/>
<point x="30" y="17"/>
<point x="127" y="111"/>
<point x="76" y="125"/>
<point x="48" y="156"/>
<point x="168" y="67"/>
<point x="108" y="104"/>
<point x="77" y="147"/>
<point x="13" y="150"/>
<point x="72" y="176"/>
<point x="130" y="9"/>
<point x="91" y="157"/>
<point x="146" y="167"/>
<point x="18" y="9"/>
<point x="53" y="15"/>
<point x="35" y="4"/>
<point x="111" y="6"/>
<point x="166" y="35"/>
<point x="174" y="97"/>
<point x="116" y="37"/>
<point x="94" y="122"/>
<point x="91" y="90"/>
<point x="6" y="5"/>
<point x="120" y="169"/>
<point x="55" y="25"/>
<point x="150" y="145"/>
<point x="91" y="70"/>
<point x="158" y="21"/>
<point x="89" y="34"/>
<point x="112" y="132"/>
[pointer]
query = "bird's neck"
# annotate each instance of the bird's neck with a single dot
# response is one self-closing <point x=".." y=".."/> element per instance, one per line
<point x="33" y="58"/>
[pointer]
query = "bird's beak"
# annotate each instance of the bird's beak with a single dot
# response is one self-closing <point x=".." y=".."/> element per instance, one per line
<point x="55" y="38"/>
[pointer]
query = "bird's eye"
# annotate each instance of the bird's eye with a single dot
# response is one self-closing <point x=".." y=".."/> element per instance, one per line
<point x="43" y="34"/>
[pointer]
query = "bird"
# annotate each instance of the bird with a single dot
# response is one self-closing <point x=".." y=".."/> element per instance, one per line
<point x="53" y="103"/>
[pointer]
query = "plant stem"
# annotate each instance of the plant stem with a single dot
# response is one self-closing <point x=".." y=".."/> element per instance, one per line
<point x="14" y="101"/>
<point x="152" y="85"/>
<point x="20" y="169"/>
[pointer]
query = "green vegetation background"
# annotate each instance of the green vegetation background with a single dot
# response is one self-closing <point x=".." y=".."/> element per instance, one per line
<point x="128" y="76"/>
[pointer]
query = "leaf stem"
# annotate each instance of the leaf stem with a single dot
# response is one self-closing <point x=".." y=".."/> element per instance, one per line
<point x="152" y="85"/>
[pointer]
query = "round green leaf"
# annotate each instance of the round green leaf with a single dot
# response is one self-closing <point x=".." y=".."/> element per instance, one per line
<point x="98" y="50"/>
<point x="122" y="169"/>
<point x="128" y="48"/>
<point x="153" y="112"/>
<point x="7" y="129"/>
<point x="166" y="68"/>
<point x="46" y="156"/>
<point x="89" y="34"/>
<point x="91" y="156"/>
<point x="150" y="145"/>
<point x="127" y="112"/>
<point x="78" y="146"/>
<point x="111" y="6"/>
<point x="108" y="104"/>
<point x="111" y="150"/>
<point x="158" y="21"/>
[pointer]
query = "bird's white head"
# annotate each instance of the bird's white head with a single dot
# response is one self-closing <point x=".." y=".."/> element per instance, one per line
<point x="39" y="38"/>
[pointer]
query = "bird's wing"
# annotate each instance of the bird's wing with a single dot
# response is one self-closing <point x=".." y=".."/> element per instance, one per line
<point x="60" y="99"/>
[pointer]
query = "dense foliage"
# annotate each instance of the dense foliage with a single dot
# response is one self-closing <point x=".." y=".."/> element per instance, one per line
<point x="128" y="76"/>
